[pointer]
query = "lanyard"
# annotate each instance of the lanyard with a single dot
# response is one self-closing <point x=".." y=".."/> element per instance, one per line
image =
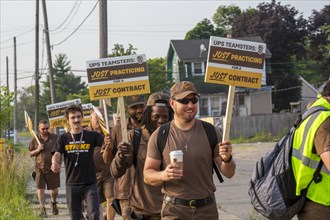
<point x="76" y="145"/>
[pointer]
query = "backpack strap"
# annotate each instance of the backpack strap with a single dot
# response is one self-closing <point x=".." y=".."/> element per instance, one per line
<point x="213" y="141"/>
<point x="136" y="143"/>
<point x="162" y="136"/>
<point x="307" y="113"/>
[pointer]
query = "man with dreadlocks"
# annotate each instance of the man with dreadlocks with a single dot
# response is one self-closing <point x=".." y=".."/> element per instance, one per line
<point x="145" y="200"/>
<point x="135" y="106"/>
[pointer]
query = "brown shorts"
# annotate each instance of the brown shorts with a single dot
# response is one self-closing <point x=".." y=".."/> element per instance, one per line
<point x="52" y="180"/>
<point x="105" y="188"/>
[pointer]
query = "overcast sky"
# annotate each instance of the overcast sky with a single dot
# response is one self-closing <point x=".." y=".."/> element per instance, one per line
<point x="147" y="25"/>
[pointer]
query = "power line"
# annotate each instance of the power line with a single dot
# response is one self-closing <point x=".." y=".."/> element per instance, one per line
<point x="77" y="27"/>
<point x="18" y="36"/>
<point x="70" y="13"/>
<point x="74" y="14"/>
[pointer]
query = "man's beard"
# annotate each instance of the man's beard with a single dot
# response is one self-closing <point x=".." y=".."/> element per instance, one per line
<point x="137" y="117"/>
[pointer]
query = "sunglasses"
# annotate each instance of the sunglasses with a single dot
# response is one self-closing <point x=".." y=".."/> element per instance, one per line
<point x="44" y="129"/>
<point x="185" y="101"/>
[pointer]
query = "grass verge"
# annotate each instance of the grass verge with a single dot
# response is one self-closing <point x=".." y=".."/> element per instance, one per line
<point x="15" y="170"/>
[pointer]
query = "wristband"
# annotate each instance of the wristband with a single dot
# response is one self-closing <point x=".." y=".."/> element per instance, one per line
<point x="229" y="160"/>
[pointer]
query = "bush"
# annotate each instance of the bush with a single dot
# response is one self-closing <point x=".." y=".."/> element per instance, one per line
<point x="15" y="170"/>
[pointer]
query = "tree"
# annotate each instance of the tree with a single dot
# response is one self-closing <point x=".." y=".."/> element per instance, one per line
<point x="224" y="17"/>
<point x="6" y="109"/>
<point x="119" y="50"/>
<point x="66" y="83"/>
<point x="25" y="103"/>
<point x="284" y="31"/>
<point x="319" y="46"/>
<point x="204" y="30"/>
<point x="157" y="74"/>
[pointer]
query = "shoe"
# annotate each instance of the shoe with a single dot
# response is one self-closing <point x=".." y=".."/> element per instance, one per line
<point x="43" y="213"/>
<point x="54" y="208"/>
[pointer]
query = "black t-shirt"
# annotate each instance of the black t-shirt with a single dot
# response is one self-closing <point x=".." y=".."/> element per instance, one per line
<point x="80" y="153"/>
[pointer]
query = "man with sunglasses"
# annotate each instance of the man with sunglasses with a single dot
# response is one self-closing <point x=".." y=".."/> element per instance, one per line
<point x="43" y="173"/>
<point x="188" y="192"/>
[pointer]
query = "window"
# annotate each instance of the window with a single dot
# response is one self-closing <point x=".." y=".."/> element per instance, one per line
<point x="198" y="68"/>
<point x="203" y="107"/>
<point x="215" y="106"/>
<point x="241" y="99"/>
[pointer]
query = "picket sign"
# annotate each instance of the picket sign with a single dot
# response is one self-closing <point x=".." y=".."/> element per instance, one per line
<point x="29" y="124"/>
<point x="106" y="115"/>
<point x="227" y="119"/>
<point x="122" y="118"/>
<point x="235" y="63"/>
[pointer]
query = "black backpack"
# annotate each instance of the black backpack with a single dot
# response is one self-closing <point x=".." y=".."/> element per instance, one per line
<point x="162" y="138"/>
<point x="272" y="188"/>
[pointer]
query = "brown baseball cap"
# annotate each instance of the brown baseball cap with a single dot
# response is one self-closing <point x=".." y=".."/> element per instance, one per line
<point x="158" y="99"/>
<point x="135" y="100"/>
<point x="181" y="89"/>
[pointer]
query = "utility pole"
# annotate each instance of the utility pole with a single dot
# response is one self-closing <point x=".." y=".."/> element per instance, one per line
<point x="49" y="56"/>
<point x="103" y="28"/>
<point x="103" y="32"/>
<point x="8" y="124"/>
<point x="36" y="113"/>
<point x="15" y="93"/>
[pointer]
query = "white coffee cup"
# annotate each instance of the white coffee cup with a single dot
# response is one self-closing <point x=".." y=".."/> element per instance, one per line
<point x="177" y="157"/>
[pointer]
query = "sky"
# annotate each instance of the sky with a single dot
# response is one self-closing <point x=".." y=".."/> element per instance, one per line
<point x="148" y="25"/>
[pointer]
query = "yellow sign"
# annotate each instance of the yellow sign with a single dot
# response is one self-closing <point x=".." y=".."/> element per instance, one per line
<point x="117" y="90"/>
<point x="56" y="112"/>
<point x="87" y="114"/>
<point x="235" y="62"/>
<point x="28" y="123"/>
<point x="232" y="77"/>
<point x="117" y="76"/>
<point x="2" y="141"/>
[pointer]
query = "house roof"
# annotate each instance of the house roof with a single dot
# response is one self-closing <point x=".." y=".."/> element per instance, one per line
<point x="190" y="50"/>
<point x="309" y="85"/>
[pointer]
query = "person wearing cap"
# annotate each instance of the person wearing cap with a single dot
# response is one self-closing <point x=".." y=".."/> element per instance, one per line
<point x="105" y="182"/>
<point x="135" y="106"/>
<point x="188" y="193"/>
<point x="145" y="200"/>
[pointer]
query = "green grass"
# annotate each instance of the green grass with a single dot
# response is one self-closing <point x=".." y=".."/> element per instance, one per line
<point x="15" y="172"/>
<point x="259" y="137"/>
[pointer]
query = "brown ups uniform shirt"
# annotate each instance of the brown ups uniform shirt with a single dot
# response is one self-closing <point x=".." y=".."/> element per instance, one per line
<point x="44" y="158"/>
<point x="122" y="184"/>
<point x="197" y="181"/>
<point x="145" y="199"/>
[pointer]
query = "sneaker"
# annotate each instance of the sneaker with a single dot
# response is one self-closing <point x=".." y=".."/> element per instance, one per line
<point x="54" y="208"/>
<point x="43" y="213"/>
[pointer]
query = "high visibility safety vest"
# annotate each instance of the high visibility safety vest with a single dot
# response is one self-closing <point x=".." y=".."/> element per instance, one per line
<point x="304" y="162"/>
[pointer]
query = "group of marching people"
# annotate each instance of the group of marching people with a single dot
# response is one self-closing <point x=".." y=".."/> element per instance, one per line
<point x="136" y="176"/>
